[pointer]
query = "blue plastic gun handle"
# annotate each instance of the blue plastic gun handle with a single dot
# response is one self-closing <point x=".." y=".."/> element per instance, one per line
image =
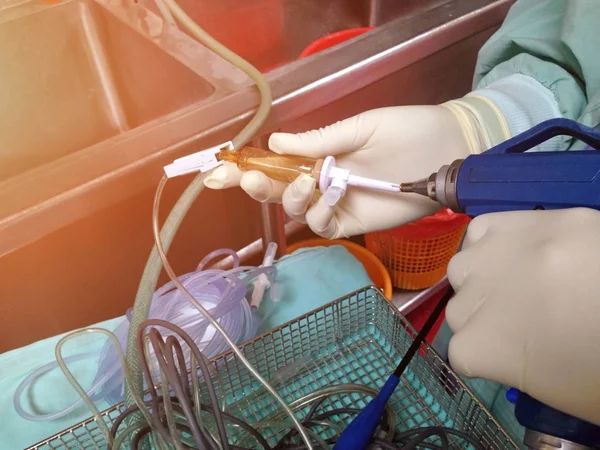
<point x="506" y="179"/>
<point x="542" y="418"/>
<point x="545" y="131"/>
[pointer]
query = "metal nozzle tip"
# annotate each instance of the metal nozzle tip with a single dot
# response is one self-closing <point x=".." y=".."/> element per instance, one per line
<point x="420" y="187"/>
<point x="408" y="188"/>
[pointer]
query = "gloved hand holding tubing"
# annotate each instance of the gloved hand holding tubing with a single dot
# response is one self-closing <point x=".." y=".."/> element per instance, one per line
<point x="392" y="144"/>
<point x="527" y="306"/>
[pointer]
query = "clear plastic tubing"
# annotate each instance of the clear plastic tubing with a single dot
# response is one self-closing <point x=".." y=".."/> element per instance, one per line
<point x="164" y="236"/>
<point x="222" y="292"/>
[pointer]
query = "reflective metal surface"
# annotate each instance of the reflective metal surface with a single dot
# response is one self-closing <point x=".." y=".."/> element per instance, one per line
<point x="102" y="96"/>
<point x="445" y="186"/>
<point x="272" y="33"/>
<point x="540" y="441"/>
<point x="408" y="301"/>
<point x="74" y="75"/>
<point x="108" y="147"/>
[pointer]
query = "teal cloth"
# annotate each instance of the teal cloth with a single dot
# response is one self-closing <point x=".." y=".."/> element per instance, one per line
<point x="51" y="392"/>
<point x="306" y="280"/>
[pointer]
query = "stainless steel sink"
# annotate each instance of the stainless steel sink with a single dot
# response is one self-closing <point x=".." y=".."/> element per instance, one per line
<point x="271" y="33"/>
<point x="97" y="95"/>
<point x="73" y="75"/>
<point x="86" y="74"/>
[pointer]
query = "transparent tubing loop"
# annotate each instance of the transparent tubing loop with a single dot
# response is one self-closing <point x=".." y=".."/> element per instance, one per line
<point x="164" y="237"/>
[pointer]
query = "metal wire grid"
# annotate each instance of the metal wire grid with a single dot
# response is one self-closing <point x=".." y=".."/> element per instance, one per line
<point x="356" y="339"/>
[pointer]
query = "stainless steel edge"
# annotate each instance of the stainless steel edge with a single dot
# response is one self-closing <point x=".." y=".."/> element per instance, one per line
<point x="54" y="195"/>
<point x="408" y="301"/>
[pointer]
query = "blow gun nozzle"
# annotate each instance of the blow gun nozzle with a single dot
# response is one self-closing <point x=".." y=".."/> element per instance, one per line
<point x="439" y="186"/>
<point x="408" y="188"/>
<point x="425" y="186"/>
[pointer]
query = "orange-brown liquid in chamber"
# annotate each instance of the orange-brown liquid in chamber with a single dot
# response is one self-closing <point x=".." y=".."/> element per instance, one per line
<point x="278" y="167"/>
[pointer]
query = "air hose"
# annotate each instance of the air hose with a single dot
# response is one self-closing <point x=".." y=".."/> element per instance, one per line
<point x="164" y="237"/>
<point x="222" y="292"/>
<point x="148" y="282"/>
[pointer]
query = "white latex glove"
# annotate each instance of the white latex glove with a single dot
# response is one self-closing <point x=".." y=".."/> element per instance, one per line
<point x="527" y="309"/>
<point x="392" y="144"/>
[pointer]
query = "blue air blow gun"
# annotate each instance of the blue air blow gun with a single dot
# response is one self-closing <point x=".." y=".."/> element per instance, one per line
<point x="505" y="178"/>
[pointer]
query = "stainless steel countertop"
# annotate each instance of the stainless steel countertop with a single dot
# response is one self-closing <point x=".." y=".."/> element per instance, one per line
<point x="408" y="301"/>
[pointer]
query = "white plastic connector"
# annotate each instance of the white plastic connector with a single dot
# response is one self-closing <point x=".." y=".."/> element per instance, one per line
<point x="334" y="181"/>
<point x="333" y="195"/>
<point x="325" y="179"/>
<point x="202" y="161"/>
<point x="262" y="281"/>
<point x="370" y="183"/>
<point x="337" y="187"/>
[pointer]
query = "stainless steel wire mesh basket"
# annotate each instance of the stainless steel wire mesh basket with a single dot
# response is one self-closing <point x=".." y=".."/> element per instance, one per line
<point x="357" y="339"/>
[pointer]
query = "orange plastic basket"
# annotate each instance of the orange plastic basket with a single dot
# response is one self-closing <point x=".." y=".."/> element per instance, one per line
<point x="417" y="254"/>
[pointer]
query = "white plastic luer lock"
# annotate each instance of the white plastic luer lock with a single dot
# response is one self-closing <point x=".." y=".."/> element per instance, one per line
<point x="324" y="178"/>
<point x="333" y="182"/>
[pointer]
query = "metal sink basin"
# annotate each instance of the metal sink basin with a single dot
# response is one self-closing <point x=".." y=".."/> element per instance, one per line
<point x="271" y="33"/>
<point x="73" y="75"/>
<point x="96" y="96"/>
<point x="86" y="75"/>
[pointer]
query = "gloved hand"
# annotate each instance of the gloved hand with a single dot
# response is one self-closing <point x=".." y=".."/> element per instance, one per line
<point x="391" y="144"/>
<point x="527" y="308"/>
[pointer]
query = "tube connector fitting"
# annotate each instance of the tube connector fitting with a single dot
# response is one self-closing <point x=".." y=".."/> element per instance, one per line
<point x="334" y="181"/>
<point x="440" y="186"/>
